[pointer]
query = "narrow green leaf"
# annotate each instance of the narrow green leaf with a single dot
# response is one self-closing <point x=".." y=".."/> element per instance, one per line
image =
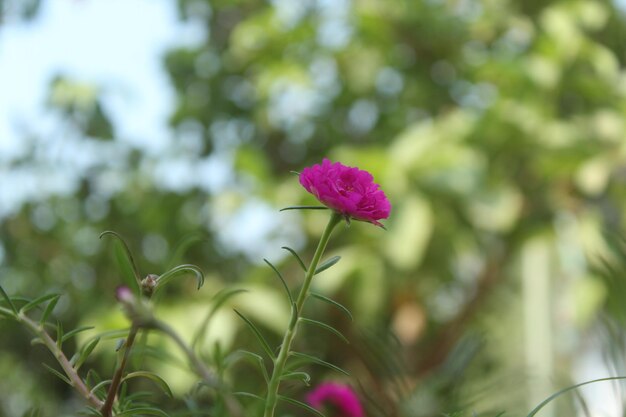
<point x="253" y="357"/>
<point x="573" y="387"/>
<point x="325" y="326"/>
<point x="7" y="312"/>
<point x="90" y="411"/>
<point x="301" y="405"/>
<point x="259" y="336"/>
<point x="177" y="271"/>
<point x="218" y="300"/>
<point x="37" y="301"/>
<point x="298" y="375"/>
<point x="281" y="280"/>
<point x="32" y="412"/>
<point x="153" y="377"/>
<point x="295" y="255"/>
<point x="86" y="351"/>
<point x="74" y="332"/>
<point x="36" y="341"/>
<point x="318" y="361"/>
<point x="49" y="308"/>
<point x="181" y="247"/>
<point x="248" y="394"/>
<point x="74" y="358"/>
<point x="304" y="208"/>
<point x="143" y="410"/>
<point x="334" y="303"/>
<point x="100" y="385"/>
<point x="327" y="264"/>
<point x="127" y="256"/>
<point x="59" y="334"/>
<point x="57" y="373"/>
<point x="8" y="299"/>
<point x="294" y="315"/>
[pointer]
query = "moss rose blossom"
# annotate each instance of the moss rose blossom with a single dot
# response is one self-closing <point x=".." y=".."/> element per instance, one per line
<point x="338" y="397"/>
<point x="347" y="190"/>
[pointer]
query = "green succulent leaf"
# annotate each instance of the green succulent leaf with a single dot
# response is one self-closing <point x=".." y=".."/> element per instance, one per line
<point x="124" y="257"/>
<point x="153" y="377"/>
<point x="259" y="336"/>
<point x="90" y="411"/>
<point x="218" y="300"/>
<point x="85" y="352"/>
<point x="304" y="208"/>
<point x="282" y="280"/>
<point x="298" y="375"/>
<point x="57" y="373"/>
<point x="295" y="255"/>
<point x="37" y="341"/>
<point x="301" y="405"/>
<point x="334" y="303"/>
<point x="8" y="299"/>
<point x="74" y="332"/>
<point x="325" y="327"/>
<point x="6" y="312"/>
<point x="185" y="243"/>
<point x="100" y="385"/>
<point x="32" y="304"/>
<point x="318" y="361"/>
<point x="49" y="308"/>
<point x="139" y="411"/>
<point x="177" y="271"/>
<point x="570" y="388"/>
<point x="33" y="412"/>
<point x="59" y="334"/>
<point x="252" y="357"/>
<point x="327" y="264"/>
<point x="248" y="394"/>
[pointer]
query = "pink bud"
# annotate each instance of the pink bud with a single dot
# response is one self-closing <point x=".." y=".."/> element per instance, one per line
<point x="338" y="397"/>
<point x="124" y="294"/>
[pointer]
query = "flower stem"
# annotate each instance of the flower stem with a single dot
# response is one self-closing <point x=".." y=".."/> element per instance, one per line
<point x="290" y="333"/>
<point x="117" y="377"/>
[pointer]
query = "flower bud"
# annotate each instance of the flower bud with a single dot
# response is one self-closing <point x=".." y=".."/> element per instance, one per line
<point x="148" y="284"/>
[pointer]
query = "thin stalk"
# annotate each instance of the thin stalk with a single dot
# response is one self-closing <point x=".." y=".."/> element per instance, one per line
<point x="117" y="377"/>
<point x="290" y="333"/>
<point x="77" y="382"/>
<point x="201" y="369"/>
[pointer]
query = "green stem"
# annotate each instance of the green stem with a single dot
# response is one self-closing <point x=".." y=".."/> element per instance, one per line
<point x="117" y="377"/>
<point x="201" y="369"/>
<point x="290" y="333"/>
<point x="69" y="370"/>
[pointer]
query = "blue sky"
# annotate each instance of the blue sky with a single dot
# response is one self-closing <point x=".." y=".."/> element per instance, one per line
<point x="116" y="44"/>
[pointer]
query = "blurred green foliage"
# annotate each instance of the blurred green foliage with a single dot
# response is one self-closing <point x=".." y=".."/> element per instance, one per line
<point x="491" y="125"/>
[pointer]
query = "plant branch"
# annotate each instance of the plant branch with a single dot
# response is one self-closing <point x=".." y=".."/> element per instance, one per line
<point x="117" y="377"/>
<point x="76" y="382"/>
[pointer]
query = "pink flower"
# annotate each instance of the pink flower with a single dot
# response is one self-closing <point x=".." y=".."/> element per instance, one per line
<point x="338" y="397"/>
<point x="347" y="190"/>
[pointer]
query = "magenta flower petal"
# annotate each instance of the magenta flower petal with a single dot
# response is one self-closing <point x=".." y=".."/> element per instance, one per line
<point x="338" y="397"/>
<point x="347" y="190"/>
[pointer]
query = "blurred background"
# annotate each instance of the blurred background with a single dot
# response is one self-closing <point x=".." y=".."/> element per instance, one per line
<point x="496" y="128"/>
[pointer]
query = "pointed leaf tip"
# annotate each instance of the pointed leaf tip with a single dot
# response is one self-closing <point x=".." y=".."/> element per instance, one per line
<point x="304" y="208"/>
<point x="327" y="264"/>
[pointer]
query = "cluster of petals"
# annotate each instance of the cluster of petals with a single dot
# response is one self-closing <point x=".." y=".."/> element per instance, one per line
<point x="347" y="190"/>
<point x="338" y="397"/>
